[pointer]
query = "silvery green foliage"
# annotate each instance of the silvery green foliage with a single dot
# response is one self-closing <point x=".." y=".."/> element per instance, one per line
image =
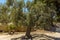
<point x="41" y="12"/>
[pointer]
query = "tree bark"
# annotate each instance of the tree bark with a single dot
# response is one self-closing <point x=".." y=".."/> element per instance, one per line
<point x="28" y="32"/>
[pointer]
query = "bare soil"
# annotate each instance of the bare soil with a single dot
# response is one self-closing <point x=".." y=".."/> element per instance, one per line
<point x="53" y="35"/>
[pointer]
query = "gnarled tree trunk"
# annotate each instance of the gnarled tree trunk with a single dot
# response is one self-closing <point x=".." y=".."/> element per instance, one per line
<point x="28" y="31"/>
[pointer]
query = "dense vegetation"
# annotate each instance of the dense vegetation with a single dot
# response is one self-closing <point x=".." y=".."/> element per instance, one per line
<point x="39" y="14"/>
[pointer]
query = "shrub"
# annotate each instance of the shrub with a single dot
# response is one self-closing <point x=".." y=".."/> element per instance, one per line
<point x="11" y="27"/>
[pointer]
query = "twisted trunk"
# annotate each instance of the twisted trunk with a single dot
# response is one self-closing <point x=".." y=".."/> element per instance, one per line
<point x="28" y="32"/>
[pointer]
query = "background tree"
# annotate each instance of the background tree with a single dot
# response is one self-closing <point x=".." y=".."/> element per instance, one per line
<point x="4" y="15"/>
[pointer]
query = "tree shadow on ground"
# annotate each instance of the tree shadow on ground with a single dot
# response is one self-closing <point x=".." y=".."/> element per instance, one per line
<point x="37" y="37"/>
<point x="53" y="38"/>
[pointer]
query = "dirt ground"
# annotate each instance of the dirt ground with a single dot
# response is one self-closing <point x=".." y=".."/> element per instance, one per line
<point x="5" y="36"/>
